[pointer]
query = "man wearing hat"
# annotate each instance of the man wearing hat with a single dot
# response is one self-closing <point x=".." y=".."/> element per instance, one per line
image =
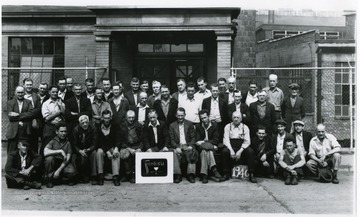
<point x="20" y="168"/>
<point x="278" y="140"/>
<point x="293" y="106"/>
<point x="302" y="137"/>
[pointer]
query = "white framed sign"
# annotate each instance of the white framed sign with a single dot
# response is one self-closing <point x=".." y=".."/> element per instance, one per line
<point x="154" y="167"/>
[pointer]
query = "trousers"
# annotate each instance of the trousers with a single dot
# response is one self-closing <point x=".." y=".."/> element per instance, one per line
<point x="333" y="161"/>
<point x="100" y="160"/>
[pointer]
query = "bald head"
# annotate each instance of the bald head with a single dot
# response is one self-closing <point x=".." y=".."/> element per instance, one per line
<point x="236" y="117"/>
<point x="320" y="131"/>
<point x="273" y="79"/>
<point x="19" y="93"/>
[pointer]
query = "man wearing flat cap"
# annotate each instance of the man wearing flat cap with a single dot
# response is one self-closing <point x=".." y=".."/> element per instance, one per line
<point x="21" y="167"/>
<point x="278" y="141"/>
<point x="293" y="106"/>
<point x="302" y="137"/>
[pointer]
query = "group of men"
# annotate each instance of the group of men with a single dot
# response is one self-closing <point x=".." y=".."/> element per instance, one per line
<point x="86" y="134"/>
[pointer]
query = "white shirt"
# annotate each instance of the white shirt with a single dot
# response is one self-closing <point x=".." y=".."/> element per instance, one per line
<point x="106" y="95"/>
<point x="250" y="98"/>
<point x="319" y="148"/>
<point x="182" y="134"/>
<point x="50" y="107"/>
<point x="90" y="96"/>
<point x="20" y="103"/>
<point x="215" y="110"/>
<point x="231" y="97"/>
<point x="154" y="128"/>
<point x="142" y="113"/>
<point x="62" y="94"/>
<point x="23" y="161"/>
<point x="280" y="143"/>
<point x="29" y="97"/>
<point x="182" y="97"/>
<point x="206" y="131"/>
<point x="203" y="95"/>
<point x="300" y="142"/>
<point x="117" y="102"/>
<point x="192" y="108"/>
<point x="236" y="132"/>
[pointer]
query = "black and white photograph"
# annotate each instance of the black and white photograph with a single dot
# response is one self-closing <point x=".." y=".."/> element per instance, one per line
<point x="157" y="108"/>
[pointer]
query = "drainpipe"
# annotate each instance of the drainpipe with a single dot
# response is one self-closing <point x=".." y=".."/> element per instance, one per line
<point x="319" y="118"/>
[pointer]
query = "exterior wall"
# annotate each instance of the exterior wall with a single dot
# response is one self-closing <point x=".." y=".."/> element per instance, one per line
<point x="339" y="126"/>
<point x="244" y="41"/>
<point x="4" y="88"/>
<point x="350" y="29"/>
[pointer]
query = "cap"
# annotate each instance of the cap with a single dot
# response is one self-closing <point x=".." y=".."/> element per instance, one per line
<point x="294" y="86"/>
<point x="280" y="121"/>
<point x="298" y="122"/>
<point x="24" y="142"/>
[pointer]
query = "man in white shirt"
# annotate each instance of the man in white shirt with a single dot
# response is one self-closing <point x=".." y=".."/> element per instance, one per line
<point x="250" y="96"/>
<point x="237" y="140"/>
<point x="90" y="89"/>
<point x="142" y="109"/>
<point x="203" y="91"/>
<point x="278" y="139"/>
<point x="106" y="86"/>
<point x="181" y="94"/>
<point x="156" y="93"/>
<point x="324" y="152"/>
<point x="191" y="104"/>
<point x="43" y="92"/>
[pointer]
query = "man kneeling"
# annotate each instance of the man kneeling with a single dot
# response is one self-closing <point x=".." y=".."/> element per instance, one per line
<point x="57" y="154"/>
<point x="20" y="168"/>
<point x="291" y="160"/>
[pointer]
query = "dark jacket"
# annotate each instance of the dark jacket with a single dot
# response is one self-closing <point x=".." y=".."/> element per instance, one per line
<point x="130" y="96"/>
<point x="119" y="116"/>
<point x="269" y="150"/>
<point x="25" y="116"/>
<point x="274" y="140"/>
<point x="307" y="136"/>
<point x="68" y="95"/>
<point x="213" y="133"/>
<point x="175" y="134"/>
<point x="124" y="133"/>
<point x="222" y="108"/>
<point x="110" y="141"/>
<point x="136" y="110"/>
<point x="13" y="162"/>
<point x="290" y="113"/>
<point x="91" y="138"/>
<point x="72" y="106"/>
<point x="171" y="117"/>
<point x="162" y="134"/>
<point x="268" y="121"/>
<point x="244" y="109"/>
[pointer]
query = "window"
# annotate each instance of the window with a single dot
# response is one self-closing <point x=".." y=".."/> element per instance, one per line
<point x="170" y="48"/>
<point x="329" y="35"/>
<point x="284" y="33"/>
<point x="35" y="52"/>
<point x="342" y="89"/>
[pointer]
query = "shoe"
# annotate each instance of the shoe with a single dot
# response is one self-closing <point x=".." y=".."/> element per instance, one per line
<point x="101" y="179"/>
<point x="94" y="181"/>
<point x="204" y="179"/>
<point x="334" y="179"/>
<point x="294" y="180"/>
<point x="252" y="178"/>
<point x="177" y="178"/>
<point x="124" y="179"/>
<point x="49" y="184"/>
<point x="34" y="185"/>
<point x="191" y="178"/>
<point x="86" y="180"/>
<point x="71" y="183"/>
<point x="225" y="178"/>
<point x="271" y="176"/>
<point x="26" y="187"/>
<point x="115" y="180"/>
<point x="288" y="180"/>
<point x="132" y="180"/>
<point x="216" y="173"/>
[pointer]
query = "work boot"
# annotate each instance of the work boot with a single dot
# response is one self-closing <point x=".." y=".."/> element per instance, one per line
<point x="294" y="180"/>
<point x="204" y="179"/>
<point x="177" y="178"/>
<point x="101" y="179"/>
<point x="216" y="173"/>
<point x="93" y="180"/>
<point x="225" y="178"/>
<point x="116" y="181"/>
<point x="288" y="180"/>
<point x="49" y="184"/>
<point x="334" y="179"/>
<point x="191" y="178"/>
<point x="252" y="178"/>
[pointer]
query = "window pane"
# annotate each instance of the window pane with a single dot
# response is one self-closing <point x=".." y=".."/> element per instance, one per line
<point x="346" y="77"/>
<point x="345" y="110"/>
<point x="15" y="45"/>
<point x="14" y="61"/>
<point x="37" y="46"/>
<point x="181" y="71"/>
<point x="337" y="88"/>
<point x="195" y="48"/>
<point x="353" y="78"/>
<point x="59" y="45"/>
<point x="145" y="48"/>
<point x="178" y="48"/>
<point x="48" y="46"/>
<point x="338" y="100"/>
<point x="345" y="94"/>
<point x="338" y="64"/>
<point x="26" y="46"/>
<point x="161" y="48"/>
<point x="338" y="78"/>
<point x="338" y="110"/>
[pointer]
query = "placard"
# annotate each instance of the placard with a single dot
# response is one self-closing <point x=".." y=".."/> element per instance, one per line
<point x="240" y="172"/>
<point x="154" y="167"/>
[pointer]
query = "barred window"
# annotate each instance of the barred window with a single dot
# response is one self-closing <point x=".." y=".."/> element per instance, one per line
<point x="342" y="89"/>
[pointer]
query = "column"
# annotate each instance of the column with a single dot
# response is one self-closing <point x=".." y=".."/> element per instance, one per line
<point x="223" y="53"/>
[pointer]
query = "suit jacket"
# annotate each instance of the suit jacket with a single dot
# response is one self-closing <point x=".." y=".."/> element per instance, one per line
<point x="162" y="136"/>
<point x="47" y="96"/>
<point x="90" y="140"/>
<point x="130" y="96"/>
<point x="25" y="116"/>
<point x="111" y="95"/>
<point x="69" y="94"/>
<point x="244" y="109"/>
<point x="274" y="140"/>
<point x="171" y="117"/>
<point x="136" y="110"/>
<point x="268" y="121"/>
<point x="119" y="116"/>
<point x="213" y="133"/>
<point x="225" y="97"/>
<point x="110" y="141"/>
<point x="307" y="136"/>
<point x="13" y="162"/>
<point x="175" y="95"/>
<point x="72" y="106"/>
<point x="124" y="133"/>
<point x="175" y="134"/>
<point x="269" y="149"/>
<point x="37" y="109"/>
<point x="243" y="96"/>
<point x="222" y="108"/>
<point x="290" y="113"/>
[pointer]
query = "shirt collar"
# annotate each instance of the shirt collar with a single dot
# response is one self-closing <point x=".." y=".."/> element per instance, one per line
<point x="139" y="106"/>
<point x="281" y="137"/>
<point x="216" y="99"/>
<point x="104" y="127"/>
<point x="207" y="127"/>
<point x="157" y="124"/>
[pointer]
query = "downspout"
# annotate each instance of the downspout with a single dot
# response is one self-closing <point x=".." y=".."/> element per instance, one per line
<point x="319" y="118"/>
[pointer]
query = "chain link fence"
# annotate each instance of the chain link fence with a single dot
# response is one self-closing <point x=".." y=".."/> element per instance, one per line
<point x="327" y="93"/>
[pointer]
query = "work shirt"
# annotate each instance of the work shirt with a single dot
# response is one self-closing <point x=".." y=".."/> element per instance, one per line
<point x="280" y="142"/>
<point x="29" y="97"/>
<point x="165" y="106"/>
<point x="300" y="141"/>
<point x="275" y="96"/>
<point x="250" y="98"/>
<point x="202" y="95"/>
<point x="192" y="108"/>
<point x="142" y="113"/>
<point x="236" y="132"/>
<point x="50" y="107"/>
<point x="98" y="108"/>
<point x="61" y="95"/>
<point x="319" y="148"/>
<point x="230" y="96"/>
<point x="56" y="144"/>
